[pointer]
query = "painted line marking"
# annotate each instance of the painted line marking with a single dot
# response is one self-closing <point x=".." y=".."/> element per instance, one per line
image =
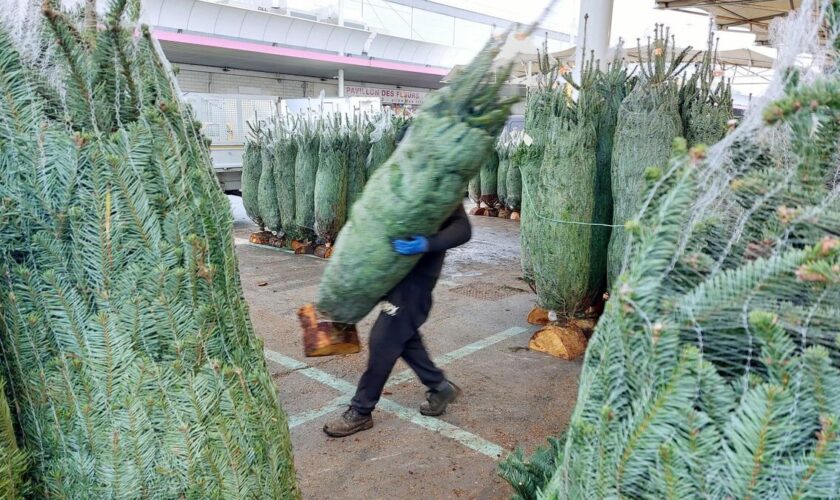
<point x="308" y="416"/>
<point x="463" y="352"/>
<point x="441" y="427"/>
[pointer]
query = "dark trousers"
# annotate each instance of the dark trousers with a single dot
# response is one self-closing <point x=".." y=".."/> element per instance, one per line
<point x="395" y="334"/>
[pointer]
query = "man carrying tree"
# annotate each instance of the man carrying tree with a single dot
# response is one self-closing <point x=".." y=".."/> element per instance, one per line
<point x="396" y="331"/>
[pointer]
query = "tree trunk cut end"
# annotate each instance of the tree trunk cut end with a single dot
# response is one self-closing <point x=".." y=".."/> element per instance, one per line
<point x="538" y="316"/>
<point x="565" y="342"/>
<point x="303" y="247"/>
<point x="515" y="216"/>
<point x="326" y="338"/>
<point x="261" y="238"/>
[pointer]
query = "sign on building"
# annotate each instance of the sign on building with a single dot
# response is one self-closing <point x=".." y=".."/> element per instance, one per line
<point x="388" y="96"/>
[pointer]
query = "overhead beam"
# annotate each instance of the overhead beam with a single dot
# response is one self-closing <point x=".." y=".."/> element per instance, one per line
<point x="670" y="4"/>
<point x="468" y="15"/>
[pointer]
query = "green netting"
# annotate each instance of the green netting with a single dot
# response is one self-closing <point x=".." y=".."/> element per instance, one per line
<point x="251" y="175"/>
<point x="285" y="156"/>
<point x="132" y="364"/>
<point x="306" y="168"/>
<point x="415" y="190"/>
<point x="331" y="184"/>
<point x="489" y="180"/>
<point x="268" y="202"/>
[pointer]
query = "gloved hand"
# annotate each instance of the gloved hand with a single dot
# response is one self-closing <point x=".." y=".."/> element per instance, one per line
<point x="412" y="246"/>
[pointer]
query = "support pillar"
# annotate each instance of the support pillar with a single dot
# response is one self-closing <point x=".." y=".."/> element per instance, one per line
<point x="341" y="83"/>
<point x="596" y="24"/>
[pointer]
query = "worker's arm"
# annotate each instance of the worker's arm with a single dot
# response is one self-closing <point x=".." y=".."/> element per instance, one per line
<point x="456" y="231"/>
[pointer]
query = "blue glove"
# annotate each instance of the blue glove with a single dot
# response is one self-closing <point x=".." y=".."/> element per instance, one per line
<point x="412" y="246"/>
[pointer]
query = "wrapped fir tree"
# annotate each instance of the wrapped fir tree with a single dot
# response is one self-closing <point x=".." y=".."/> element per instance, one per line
<point x="648" y="122"/>
<point x="285" y="157"/>
<point x="134" y="368"/>
<point x="540" y="106"/>
<point x="308" y="140"/>
<point x="331" y="182"/>
<point x="267" y="198"/>
<point x="714" y="372"/>
<point x="252" y="165"/>
<point x="706" y="108"/>
<point x="415" y="190"/>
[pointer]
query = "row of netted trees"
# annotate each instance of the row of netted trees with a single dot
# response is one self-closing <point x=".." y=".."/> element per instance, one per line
<point x="131" y="365"/>
<point x="302" y="174"/>
<point x="595" y="140"/>
<point x="715" y="369"/>
<point x="497" y="189"/>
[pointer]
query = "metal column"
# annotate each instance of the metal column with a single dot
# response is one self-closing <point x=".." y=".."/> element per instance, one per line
<point x="596" y="22"/>
<point x="341" y="83"/>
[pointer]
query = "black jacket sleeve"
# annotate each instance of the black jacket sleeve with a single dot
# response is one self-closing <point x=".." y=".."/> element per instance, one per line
<point x="455" y="231"/>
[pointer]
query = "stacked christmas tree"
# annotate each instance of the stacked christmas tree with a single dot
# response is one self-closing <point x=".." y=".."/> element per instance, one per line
<point x="131" y="361"/>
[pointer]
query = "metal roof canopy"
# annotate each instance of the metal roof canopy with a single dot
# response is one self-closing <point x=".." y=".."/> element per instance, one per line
<point x="754" y="15"/>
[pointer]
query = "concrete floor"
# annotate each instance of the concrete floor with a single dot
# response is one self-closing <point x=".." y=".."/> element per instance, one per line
<point x="512" y="397"/>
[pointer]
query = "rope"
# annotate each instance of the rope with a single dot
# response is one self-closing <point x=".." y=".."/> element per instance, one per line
<point x="560" y="221"/>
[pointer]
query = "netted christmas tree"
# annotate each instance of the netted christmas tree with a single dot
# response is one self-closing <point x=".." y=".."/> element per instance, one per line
<point x="713" y="372"/>
<point x="267" y="199"/>
<point x="331" y="182"/>
<point x="285" y="157"/>
<point x="540" y="106"/>
<point x="565" y="203"/>
<point x="419" y="186"/>
<point x="132" y="364"/>
<point x="705" y="101"/>
<point x="648" y="121"/>
<point x="252" y="166"/>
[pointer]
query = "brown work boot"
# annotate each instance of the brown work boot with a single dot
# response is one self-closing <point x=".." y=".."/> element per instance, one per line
<point x="438" y="400"/>
<point x="351" y="422"/>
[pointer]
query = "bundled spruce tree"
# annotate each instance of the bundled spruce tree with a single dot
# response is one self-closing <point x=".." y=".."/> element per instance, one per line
<point x="706" y="108"/>
<point x="714" y="371"/>
<point x="613" y="85"/>
<point x="285" y="157"/>
<point x="134" y="368"/>
<point x="489" y="178"/>
<point x="13" y="461"/>
<point x="267" y="199"/>
<point x="648" y="122"/>
<point x="542" y="101"/>
<point x="252" y="165"/>
<point x="358" y="148"/>
<point x="331" y="183"/>
<point x="563" y="258"/>
<point x="416" y="189"/>
<point x="518" y="153"/>
<point x="503" y="153"/>
<point x="306" y="168"/>
<point x="474" y="189"/>
<point x="383" y="141"/>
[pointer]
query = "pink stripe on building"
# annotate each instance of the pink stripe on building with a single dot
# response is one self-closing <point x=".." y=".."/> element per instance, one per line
<point x="224" y="43"/>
